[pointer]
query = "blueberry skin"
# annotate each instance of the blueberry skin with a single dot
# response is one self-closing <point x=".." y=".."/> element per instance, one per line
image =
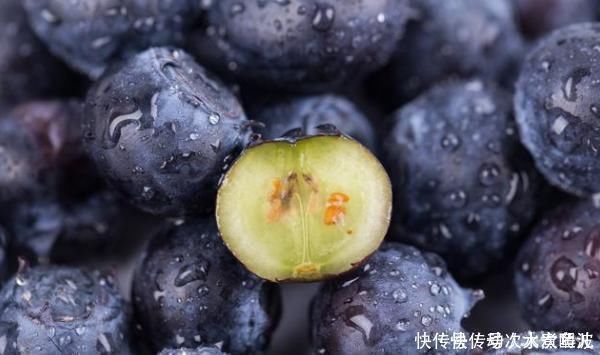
<point x="61" y="310"/>
<point x="558" y="269"/>
<point x="557" y="108"/>
<point x="188" y="351"/>
<point x="305" y="114"/>
<point x="48" y="227"/>
<point x="464" y="187"/>
<point x="379" y="308"/>
<point x="27" y="69"/>
<point x="461" y="38"/>
<point x="89" y="34"/>
<point x="189" y="291"/>
<point x="161" y="129"/>
<point x="38" y="139"/>
<point x="304" y="45"/>
<point x="539" y="17"/>
<point x="20" y="162"/>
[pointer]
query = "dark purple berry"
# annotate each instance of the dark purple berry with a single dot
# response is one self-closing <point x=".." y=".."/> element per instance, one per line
<point x="59" y="310"/>
<point x="448" y="38"/>
<point x="557" y="107"/>
<point x="27" y="69"/>
<point x="89" y="34"/>
<point x="161" y="129"/>
<point x="558" y="270"/>
<point x="380" y="308"/>
<point x="189" y="291"/>
<point x="300" y="45"/>
<point x="306" y="115"/>
<point x="465" y="188"/>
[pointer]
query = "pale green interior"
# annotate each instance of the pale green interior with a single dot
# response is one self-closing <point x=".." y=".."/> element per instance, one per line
<point x="275" y="249"/>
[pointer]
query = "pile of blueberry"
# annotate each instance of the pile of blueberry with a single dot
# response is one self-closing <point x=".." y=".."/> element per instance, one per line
<point x="168" y="166"/>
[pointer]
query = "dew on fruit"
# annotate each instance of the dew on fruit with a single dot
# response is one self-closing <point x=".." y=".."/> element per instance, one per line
<point x="120" y="121"/>
<point x="559" y="125"/>
<point x="564" y="274"/>
<point x="399" y="295"/>
<point x="324" y="17"/>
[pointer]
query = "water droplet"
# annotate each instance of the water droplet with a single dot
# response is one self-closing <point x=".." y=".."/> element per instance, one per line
<point x="216" y="146"/>
<point x="450" y="142"/>
<point x="426" y="320"/>
<point x="399" y="295"/>
<point x="545" y="302"/>
<point x="457" y="199"/>
<point x="488" y="174"/>
<point x="434" y="289"/>
<point x="103" y="344"/>
<point x="237" y="9"/>
<point x="403" y="325"/>
<point x="360" y="322"/>
<point x="592" y="245"/>
<point x="64" y="340"/>
<point x="349" y="282"/>
<point x="49" y="16"/>
<point x="214" y="118"/>
<point x="559" y="125"/>
<point x="324" y="17"/>
<point x="117" y="123"/>
<point x="191" y="272"/>
<point x="564" y="274"/>
<point x="148" y="193"/>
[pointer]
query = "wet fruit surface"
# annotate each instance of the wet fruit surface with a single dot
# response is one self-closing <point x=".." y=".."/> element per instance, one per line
<point x="189" y="291"/>
<point x="558" y="270"/>
<point x="60" y="310"/>
<point x="27" y="69"/>
<point x="447" y="38"/>
<point x="464" y="186"/>
<point x="302" y="116"/>
<point x="379" y="308"/>
<point x="304" y="209"/>
<point x="300" y="45"/>
<point x="89" y="34"/>
<point x="557" y="107"/>
<point x="161" y="129"/>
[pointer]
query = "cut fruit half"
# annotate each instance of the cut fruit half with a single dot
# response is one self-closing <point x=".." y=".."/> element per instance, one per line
<point x="304" y="210"/>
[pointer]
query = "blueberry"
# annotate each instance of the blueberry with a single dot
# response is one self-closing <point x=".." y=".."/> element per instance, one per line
<point x="304" y="116"/>
<point x="300" y="45"/>
<point x="539" y="17"/>
<point x="197" y="351"/>
<point x="380" y="308"/>
<point x="161" y="129"/>
<point x="27" y="69"/>
<point x="557" y="108"/>
<point x="189" y="290"/>
<point x="465" y="188"/>
<point x="60" y="310"/>
<point x="558" y="269"/>
<point x="89" y="34"/>
<point x="37" y="140"/>
<point x="453" y="38"/>
<point x="49" y="227"/>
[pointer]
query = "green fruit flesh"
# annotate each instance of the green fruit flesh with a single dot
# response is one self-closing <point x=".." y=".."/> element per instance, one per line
<point x="304" y="210"/>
